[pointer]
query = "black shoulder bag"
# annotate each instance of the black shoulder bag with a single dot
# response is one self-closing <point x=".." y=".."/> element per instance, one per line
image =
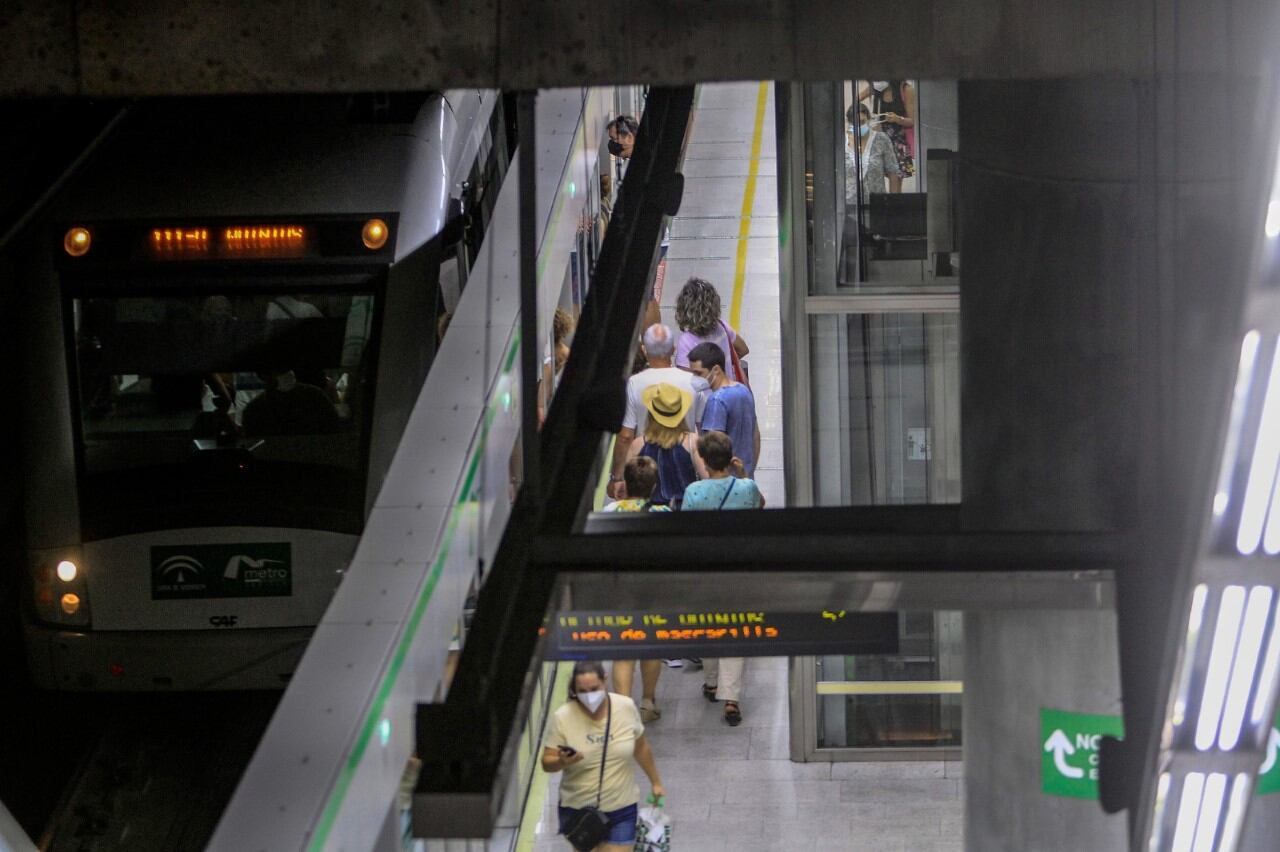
<point x="590" y="827"/>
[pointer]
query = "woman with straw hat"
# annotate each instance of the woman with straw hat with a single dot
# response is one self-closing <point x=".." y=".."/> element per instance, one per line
<point x="669" y="442"/>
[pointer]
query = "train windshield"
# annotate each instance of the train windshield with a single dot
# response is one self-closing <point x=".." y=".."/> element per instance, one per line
<point x="223" y="409"/>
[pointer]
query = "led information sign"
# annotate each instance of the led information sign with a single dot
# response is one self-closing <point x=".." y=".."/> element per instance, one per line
<point x="229" y="241"/>
<point x="605" y="635"/>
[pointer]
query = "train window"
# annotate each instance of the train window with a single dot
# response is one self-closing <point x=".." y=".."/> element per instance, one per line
<point x="223" y="405"/>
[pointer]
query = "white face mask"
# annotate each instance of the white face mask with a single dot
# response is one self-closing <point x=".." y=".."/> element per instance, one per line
<point x="880" y="85"/>
<point x="699" y="384"/>
<point x="592" y="700"/>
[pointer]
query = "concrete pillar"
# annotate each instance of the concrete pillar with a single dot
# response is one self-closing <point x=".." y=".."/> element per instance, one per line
<point x="1055" y="218"/>
<point x="1016" y="664"/>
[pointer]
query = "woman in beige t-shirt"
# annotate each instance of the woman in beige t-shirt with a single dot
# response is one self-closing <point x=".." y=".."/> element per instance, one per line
<point x="574" y="744"/>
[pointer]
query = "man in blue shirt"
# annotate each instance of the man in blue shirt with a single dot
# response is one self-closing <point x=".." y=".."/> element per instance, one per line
<point x="730" y="406"/>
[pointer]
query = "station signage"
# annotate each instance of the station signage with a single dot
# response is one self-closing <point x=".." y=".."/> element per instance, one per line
<point x="1069" y="753"/>
<point x="606" y="635"/>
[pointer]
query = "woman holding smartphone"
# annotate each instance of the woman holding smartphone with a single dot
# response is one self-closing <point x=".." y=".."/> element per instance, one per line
<point x="593" y="738"/>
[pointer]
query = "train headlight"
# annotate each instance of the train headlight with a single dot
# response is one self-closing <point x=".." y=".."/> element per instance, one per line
<point x="374" y="235"/>
<point x="77" y="242"/>
<point x="60" y="588"/>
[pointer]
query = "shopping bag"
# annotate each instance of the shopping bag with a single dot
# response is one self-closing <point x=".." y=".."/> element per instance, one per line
<point x="653" y="830"/>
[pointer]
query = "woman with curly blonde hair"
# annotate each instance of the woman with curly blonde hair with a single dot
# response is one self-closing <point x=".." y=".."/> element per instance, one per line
<point x="698" y="315"/>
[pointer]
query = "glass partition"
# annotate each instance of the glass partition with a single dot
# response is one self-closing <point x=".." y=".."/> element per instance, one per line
<point x="885" y="407"/>
<point x="877" y="706"/>
<point x="871" y="281"/>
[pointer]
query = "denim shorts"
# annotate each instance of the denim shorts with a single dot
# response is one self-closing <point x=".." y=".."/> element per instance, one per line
<point x="622" y="823"/>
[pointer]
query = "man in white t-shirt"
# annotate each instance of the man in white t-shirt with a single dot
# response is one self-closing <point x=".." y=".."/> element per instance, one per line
<point x="659" y="347"/>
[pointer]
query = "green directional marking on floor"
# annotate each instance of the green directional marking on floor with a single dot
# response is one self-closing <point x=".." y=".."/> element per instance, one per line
<point x="1069" y="751"/>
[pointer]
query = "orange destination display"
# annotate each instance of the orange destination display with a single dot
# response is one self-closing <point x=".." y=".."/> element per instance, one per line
<point x="604" y="635"/>
<point x="229" y="241"/>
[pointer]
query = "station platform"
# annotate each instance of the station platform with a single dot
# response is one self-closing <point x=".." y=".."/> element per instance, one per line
<point x="737" y="788"/>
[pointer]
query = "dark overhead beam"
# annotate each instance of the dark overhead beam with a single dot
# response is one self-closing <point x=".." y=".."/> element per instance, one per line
<point x="814" y="591"/>
<point x="733" y="546"/>
<point x="162" y="47"/>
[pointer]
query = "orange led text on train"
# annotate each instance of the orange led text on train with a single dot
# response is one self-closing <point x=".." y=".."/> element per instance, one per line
<point x="263" y="236"/>
<point x="180" y="239"/>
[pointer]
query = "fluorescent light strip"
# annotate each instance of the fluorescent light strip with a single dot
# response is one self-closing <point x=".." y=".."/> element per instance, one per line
<point x="1244" y="671"/>
<point x="1157" y="815"/>
<point x="1267" y="679"/>
<point x="1271" y="541"/>
<point x="1234" y="822"/>
<point x="1198" y="599"/>
<point x="1239" y="404"/>
<point x="1262" y="467"/>
<point x="1225" y="634"/>
<point x="1215" y="790"/>
<point x="1271" y="224"/>
<point x="1188" y="811"/>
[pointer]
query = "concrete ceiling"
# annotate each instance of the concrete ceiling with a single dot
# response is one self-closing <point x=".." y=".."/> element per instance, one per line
<point x="161" y="47"/>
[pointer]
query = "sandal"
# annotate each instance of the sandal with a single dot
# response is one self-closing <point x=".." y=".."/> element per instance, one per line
<point x="732" y="714"/>
<point x="709" y="692"/>
<point x="649" y="711"/>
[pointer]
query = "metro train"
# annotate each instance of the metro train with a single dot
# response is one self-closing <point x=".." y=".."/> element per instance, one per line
<point x="229" y="317"/>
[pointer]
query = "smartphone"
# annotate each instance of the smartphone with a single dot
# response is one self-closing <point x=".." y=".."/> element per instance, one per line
<point x="567" y="751"/>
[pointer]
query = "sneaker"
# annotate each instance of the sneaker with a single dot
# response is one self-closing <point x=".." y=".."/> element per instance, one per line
<point x="674" y="664"/>
<point x="649" y="711"/>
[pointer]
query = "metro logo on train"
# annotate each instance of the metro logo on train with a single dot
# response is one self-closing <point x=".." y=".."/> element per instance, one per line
<point x="261" y="569"/>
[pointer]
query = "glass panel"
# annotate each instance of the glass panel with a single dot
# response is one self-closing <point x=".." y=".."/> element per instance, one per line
<point x="929" y="650"/>
<point x="222" y="403"/>
<point x="880" y="156"/>
<point x="885" y="391"/>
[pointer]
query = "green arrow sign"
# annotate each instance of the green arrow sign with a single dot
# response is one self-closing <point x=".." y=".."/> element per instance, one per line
<point x="1269" y="772"/>
<point x="1069" y="751"/>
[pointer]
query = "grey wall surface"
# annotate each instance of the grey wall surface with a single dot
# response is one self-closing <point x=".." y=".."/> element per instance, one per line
<point x="1015" y="664"/>
<point x="1055" y="251"/>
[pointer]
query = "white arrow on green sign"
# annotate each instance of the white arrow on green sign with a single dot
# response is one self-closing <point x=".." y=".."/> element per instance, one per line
<point x="1069" y="753"/>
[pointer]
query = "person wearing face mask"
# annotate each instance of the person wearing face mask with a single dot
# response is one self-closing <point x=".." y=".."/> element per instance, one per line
<point x="575" y="744"/>
<point x="868" y="157"/>
<point x="730" y="407"/>
<point x="893" y="102"/>
<point x="622" y="136"/>
<point x="622" y="142"/>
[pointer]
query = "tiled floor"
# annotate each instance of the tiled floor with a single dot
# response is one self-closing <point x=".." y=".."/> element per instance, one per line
<point x="736" y="788"/>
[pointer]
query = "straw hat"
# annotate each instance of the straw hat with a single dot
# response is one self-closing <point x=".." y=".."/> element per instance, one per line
<point x="667" y="403"/>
